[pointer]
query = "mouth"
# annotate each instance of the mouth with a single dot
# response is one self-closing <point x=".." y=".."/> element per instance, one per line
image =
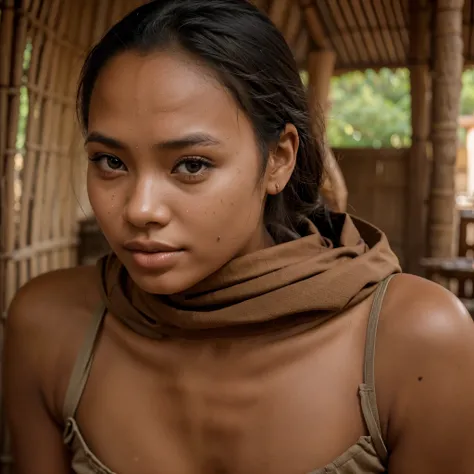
<point x="153" y="255"/>
<point x="155" y="260"/>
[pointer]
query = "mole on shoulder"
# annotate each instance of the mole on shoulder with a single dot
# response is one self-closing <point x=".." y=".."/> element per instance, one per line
<point x="420" y="378"/>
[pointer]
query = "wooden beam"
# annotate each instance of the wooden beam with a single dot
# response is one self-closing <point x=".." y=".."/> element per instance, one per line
<point x="470" y="160"/>
<point x="320" y="69"/>
<point x="294" y="24"/>
<point x="448" y="67"/>
<point x="315" y="27"/>
<point x="342" y="69"/>
<point x="258" y="3"/>
<point x="278" y="12"/>
<point x="302" y="46"/>
<point x="418" y="166"/>
<point x="339" y="71"/>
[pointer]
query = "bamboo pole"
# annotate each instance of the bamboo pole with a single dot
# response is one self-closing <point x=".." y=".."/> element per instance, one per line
<point x="79" y="32"/>
<point x="48" y="209"/>
<point x="38" y="137"/>
<point x="448" y="66"/>
<point x="13" y="33"/>
<point x="82" y="34"/>
<point x="8" y="31"/>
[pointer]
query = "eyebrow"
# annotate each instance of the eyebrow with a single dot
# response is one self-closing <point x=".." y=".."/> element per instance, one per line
<point x="186" y="141"/>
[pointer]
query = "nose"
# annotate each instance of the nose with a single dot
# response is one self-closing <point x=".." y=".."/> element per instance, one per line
<point x="145" y="205"/>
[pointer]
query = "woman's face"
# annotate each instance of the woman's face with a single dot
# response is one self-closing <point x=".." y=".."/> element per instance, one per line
<point x="174" y="176"/>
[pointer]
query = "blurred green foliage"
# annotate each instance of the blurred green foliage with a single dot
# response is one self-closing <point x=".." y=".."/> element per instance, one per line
<point x="372" y="109"/>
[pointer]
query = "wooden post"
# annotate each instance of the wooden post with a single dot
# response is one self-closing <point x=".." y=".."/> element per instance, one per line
<point x="418" y="166"/>
<point x="470" y="161"/>
<point x="320" y="70"/>
<point x="448" y="66"/>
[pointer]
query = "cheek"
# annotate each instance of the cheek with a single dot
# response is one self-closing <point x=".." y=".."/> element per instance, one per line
<point x="104" y="200"/>
<point x="230" y="209"/>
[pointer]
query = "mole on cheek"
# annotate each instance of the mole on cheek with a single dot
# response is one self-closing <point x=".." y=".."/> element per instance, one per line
<point x="218" y="238"/>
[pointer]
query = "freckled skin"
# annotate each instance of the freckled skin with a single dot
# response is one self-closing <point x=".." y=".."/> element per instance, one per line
<point x="171" y="406"/>
<point x="146" y="199"/>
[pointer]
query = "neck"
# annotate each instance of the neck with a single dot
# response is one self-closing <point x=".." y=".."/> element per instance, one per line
<point x="260" y="241"/>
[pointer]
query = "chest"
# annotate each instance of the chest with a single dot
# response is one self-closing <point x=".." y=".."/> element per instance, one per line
<point x="224" y="406"/>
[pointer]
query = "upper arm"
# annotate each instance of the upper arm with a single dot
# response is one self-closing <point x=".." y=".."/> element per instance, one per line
<point x="36" y="437"/>
<point x="432" y="358"/>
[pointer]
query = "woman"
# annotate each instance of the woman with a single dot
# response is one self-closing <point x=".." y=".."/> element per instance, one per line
<point x="232" y="329"/>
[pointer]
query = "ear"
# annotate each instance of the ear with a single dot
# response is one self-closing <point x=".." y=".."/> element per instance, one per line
<point x="282" y="160"/>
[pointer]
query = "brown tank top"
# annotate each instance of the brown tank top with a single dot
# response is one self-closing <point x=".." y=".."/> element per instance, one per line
<point x="367" y="456"/>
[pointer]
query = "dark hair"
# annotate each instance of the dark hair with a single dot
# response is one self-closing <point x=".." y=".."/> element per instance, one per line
<point x="253" y="61"/>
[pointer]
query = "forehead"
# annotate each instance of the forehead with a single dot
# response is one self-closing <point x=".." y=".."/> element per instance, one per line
<point x="168" y="91"/>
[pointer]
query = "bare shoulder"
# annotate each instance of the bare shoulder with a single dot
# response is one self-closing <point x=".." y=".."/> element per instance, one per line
<point x="46" y="324"/>
<point x="51" y="311"/>
<point x="425" y="334"/>
<point x="54" y="297"/>
<point x="425" y="373"/>
<point x="60" y="286"/>
<point x="425" y="331"/>
<point x="419" y="311"/>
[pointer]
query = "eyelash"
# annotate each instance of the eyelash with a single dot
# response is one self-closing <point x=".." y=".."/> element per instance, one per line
<point x="100" y="157"/>
<point x="193" y="159"/>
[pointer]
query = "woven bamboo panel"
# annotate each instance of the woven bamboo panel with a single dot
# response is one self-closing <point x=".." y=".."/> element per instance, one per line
<point x="42" y="46"/>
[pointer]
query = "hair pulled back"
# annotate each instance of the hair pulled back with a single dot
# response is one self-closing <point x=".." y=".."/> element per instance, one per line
<point x="252" y="60"/>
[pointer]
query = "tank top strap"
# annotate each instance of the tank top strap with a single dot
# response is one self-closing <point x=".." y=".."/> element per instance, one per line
<point x="83" y="364"/>
<point x="367" y="388"/>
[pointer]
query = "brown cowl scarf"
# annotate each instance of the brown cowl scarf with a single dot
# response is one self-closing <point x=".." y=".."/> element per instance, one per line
<point x="292" y="286"/>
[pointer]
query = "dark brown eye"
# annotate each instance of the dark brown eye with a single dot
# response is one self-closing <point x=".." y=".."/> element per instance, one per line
<point x="113" y="162"/>
<point x="193" y="166"/>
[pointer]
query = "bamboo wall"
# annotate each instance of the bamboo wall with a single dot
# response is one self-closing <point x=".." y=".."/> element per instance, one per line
<point x="42" y="45"/>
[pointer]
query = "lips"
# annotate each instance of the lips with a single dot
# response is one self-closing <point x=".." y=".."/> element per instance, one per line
<point x="152" y="255"/>
<point x="149" y="246"/>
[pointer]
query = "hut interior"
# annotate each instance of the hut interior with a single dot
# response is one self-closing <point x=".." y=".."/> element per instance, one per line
<point x="407" y="192"/>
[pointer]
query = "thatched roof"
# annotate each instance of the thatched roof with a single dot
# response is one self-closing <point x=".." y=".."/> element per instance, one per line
<point x="363" y="33"/>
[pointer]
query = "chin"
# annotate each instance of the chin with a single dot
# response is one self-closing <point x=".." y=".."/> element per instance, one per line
<point x="166" y="284"/>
